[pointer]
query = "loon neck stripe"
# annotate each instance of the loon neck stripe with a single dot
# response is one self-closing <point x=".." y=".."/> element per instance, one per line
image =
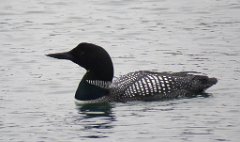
<point x="100" y="83"/>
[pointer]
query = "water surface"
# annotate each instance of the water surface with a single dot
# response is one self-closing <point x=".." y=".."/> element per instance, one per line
<point x="37" y="93"/>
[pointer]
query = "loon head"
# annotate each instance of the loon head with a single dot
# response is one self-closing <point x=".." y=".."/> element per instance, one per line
<point x="93" y="58"/>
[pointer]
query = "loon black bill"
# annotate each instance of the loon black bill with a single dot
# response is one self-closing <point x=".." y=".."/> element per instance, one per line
<point x="64" y="55"/>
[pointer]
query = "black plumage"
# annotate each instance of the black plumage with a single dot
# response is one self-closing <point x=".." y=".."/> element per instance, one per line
<point x="98" y="85"/>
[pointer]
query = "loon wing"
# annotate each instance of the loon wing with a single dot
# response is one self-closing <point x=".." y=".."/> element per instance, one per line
<point x="145" y="84"/>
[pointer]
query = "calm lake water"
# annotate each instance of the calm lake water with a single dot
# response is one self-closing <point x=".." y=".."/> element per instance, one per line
<point x="37" y="92"/>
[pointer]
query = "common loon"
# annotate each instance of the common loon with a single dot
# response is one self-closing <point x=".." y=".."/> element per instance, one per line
<point x="98" y="84"/>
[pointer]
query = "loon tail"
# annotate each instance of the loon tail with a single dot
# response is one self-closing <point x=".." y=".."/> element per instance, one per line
<point x="199" y="83"/>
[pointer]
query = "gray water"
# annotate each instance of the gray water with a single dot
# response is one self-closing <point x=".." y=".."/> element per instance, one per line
<point x="37" y="92"/>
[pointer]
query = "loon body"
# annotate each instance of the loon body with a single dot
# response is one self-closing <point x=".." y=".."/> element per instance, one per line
<point x="98" y="84"/>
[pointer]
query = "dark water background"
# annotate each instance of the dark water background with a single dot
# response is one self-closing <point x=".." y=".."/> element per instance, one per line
<point x="37" y="93"/>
